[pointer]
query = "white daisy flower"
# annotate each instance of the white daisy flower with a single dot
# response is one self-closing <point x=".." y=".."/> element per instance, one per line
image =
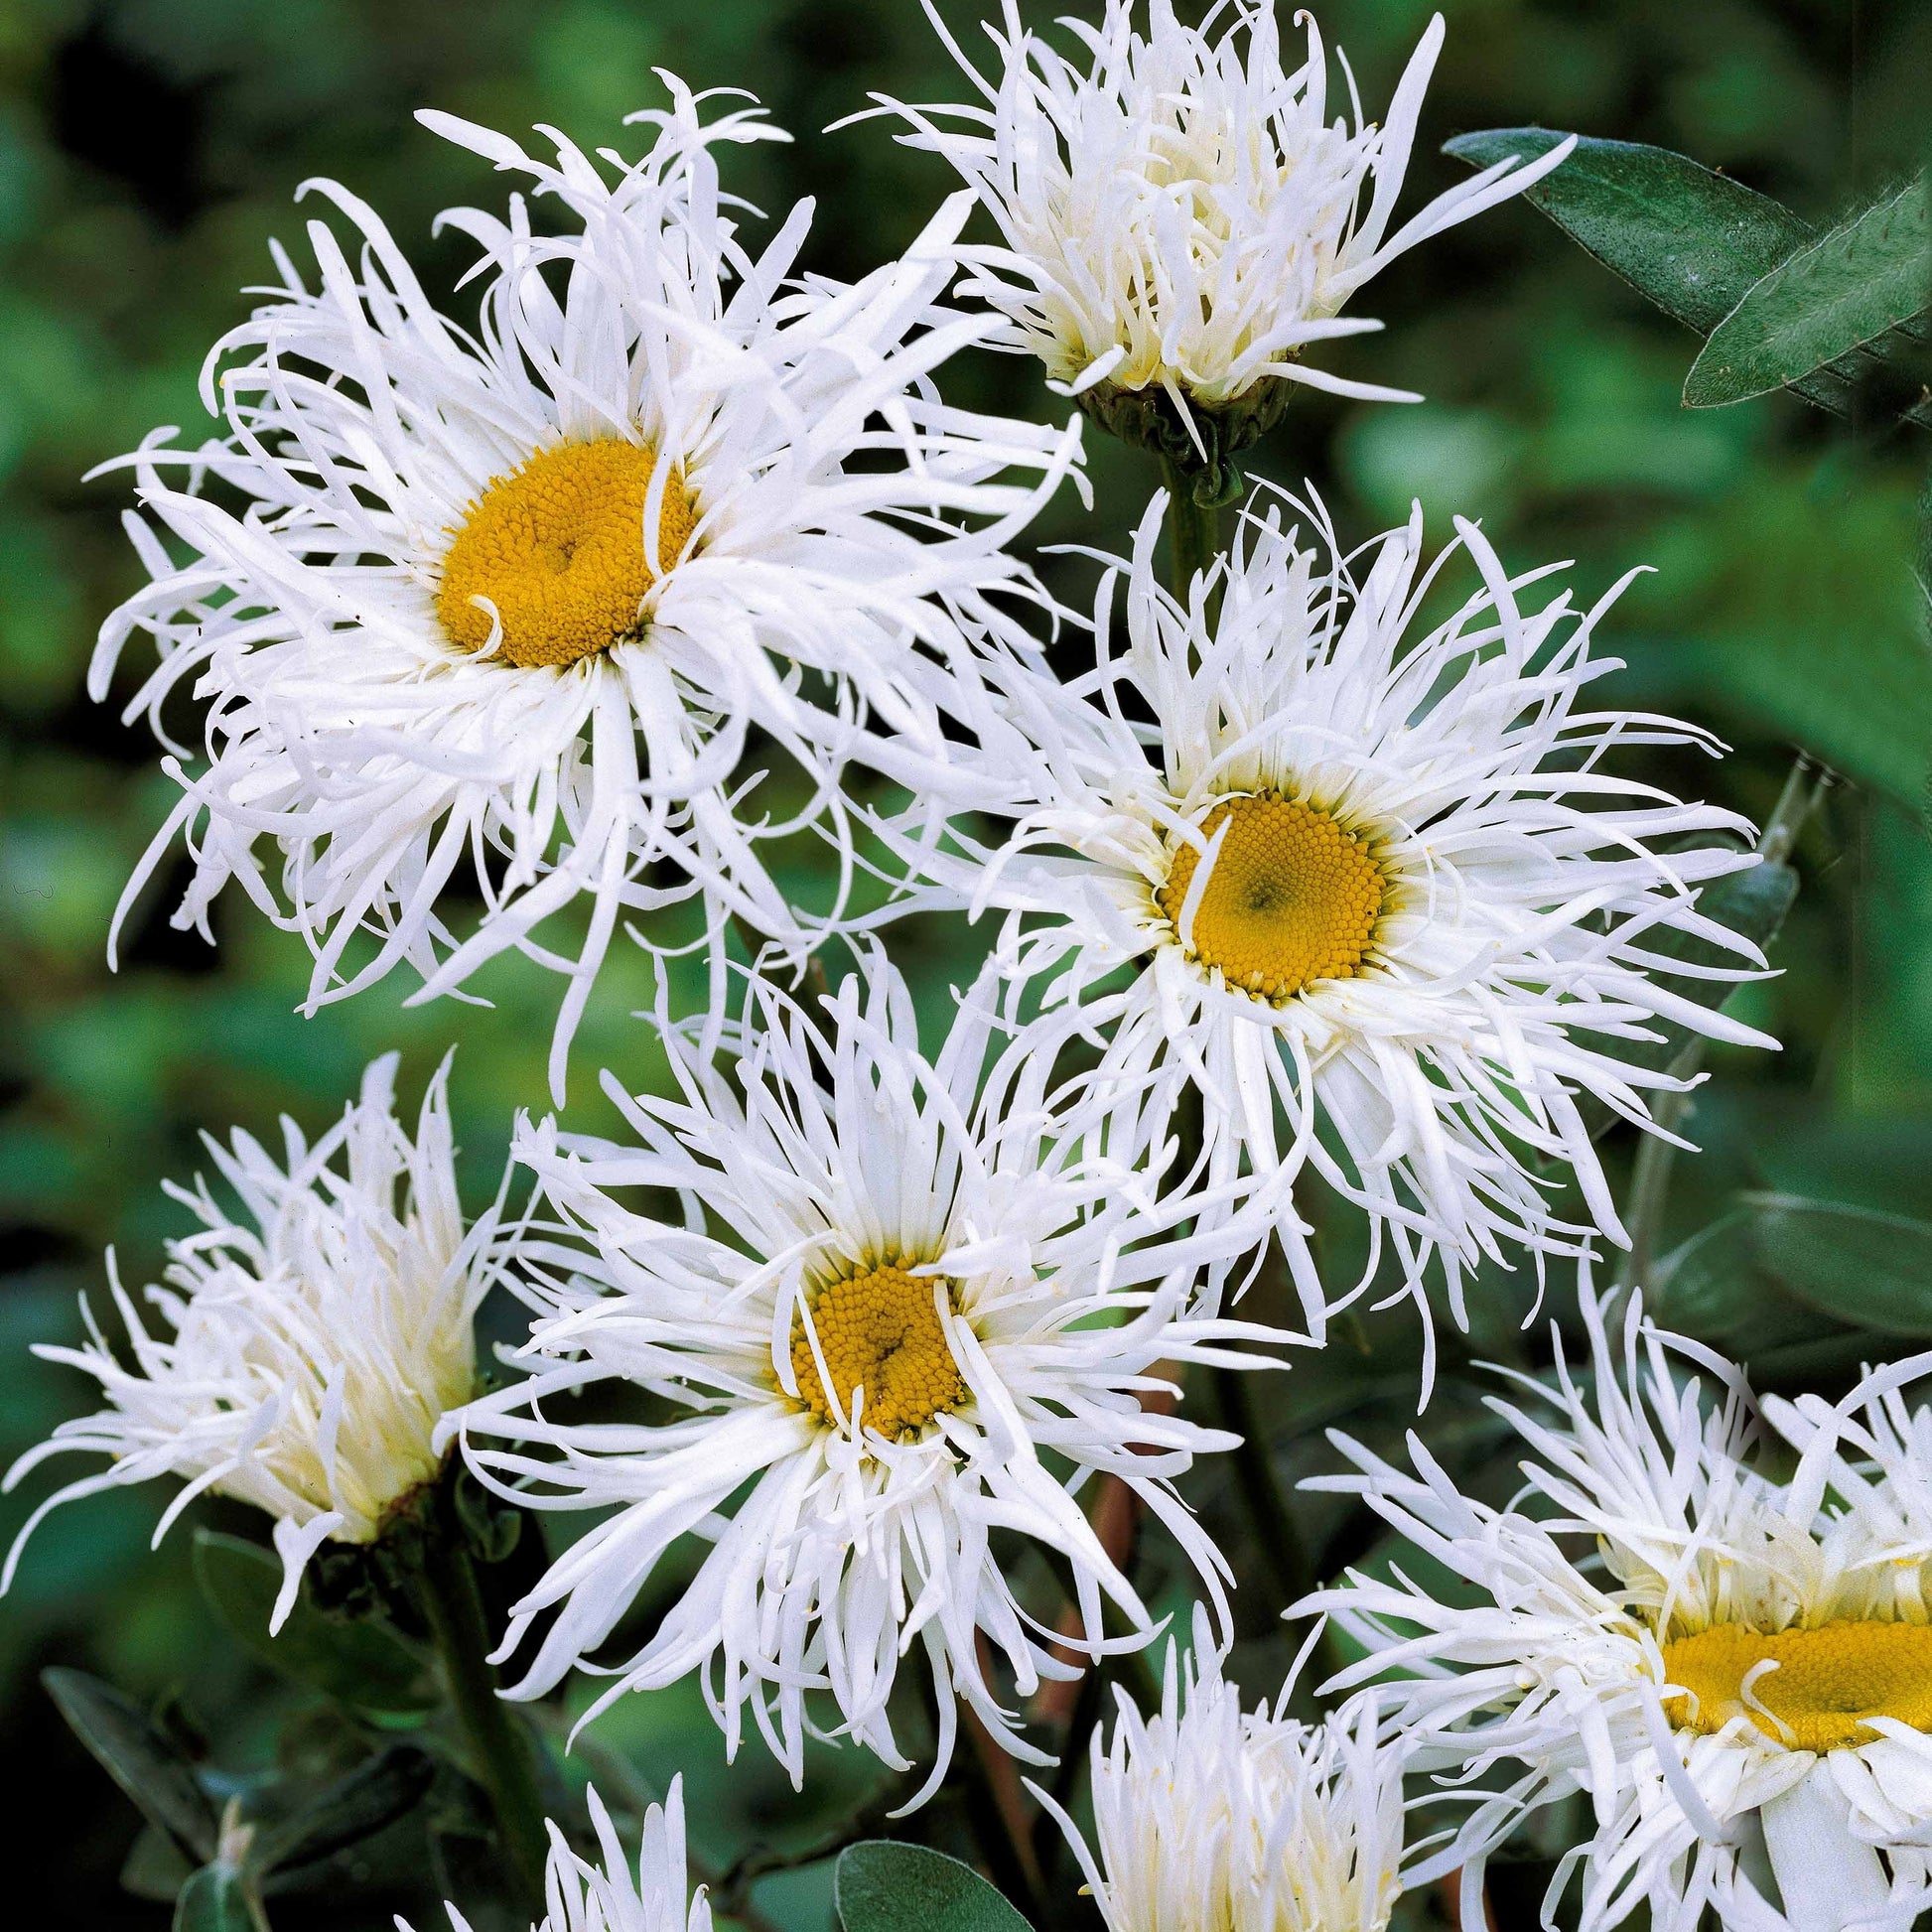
<point x="1181" y="217"/>
<point x="1209" y="1818"/>
<point x="890" y="1298"/>
<point x="511" y="610"/>
<point x="1375" y="897"/>
<point x="1732" y="1658"/>
<point x="582" y="1898"/>
<point x="316" y="1342"/>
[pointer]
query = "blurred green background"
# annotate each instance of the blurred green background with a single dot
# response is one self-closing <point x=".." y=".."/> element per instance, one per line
<point x="148" y="149"/>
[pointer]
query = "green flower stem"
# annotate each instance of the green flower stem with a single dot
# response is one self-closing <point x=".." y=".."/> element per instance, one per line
<point x="1651" y="1173"/>
<point x="1193" y="528"/>
<point x="452" y="1605"/>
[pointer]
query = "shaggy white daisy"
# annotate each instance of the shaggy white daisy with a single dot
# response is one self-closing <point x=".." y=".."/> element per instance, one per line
<point x="1370" y="893"/>
<point x="1179" y="214"/>
<point x="316" y="1342"/>
<point x="509" y="611"/>
<point x="1732" y="1658"/>
<point x="582" y="1898"/>
<point x="1209" y="1818"/>
<point x="897" y="1288"/>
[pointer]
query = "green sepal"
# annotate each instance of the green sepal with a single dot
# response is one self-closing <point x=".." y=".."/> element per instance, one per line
<point x="359" y="1663"/>
<point x="1150" y="420"/>
<point x="1839" y="295"/>
<point x="139" y="1757"/>
<point x="882" y="1885"/>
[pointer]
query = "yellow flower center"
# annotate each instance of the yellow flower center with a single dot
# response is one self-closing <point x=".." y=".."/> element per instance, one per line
<point x="557" y="547"/>
<point x="879" y="1332"/>
<point x="1828" y="1680"/>
<point x="1294" y="897"/>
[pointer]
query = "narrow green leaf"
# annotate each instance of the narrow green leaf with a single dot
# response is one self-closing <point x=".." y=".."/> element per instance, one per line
<point x="882" y="1885"/>
<point x="136" y="1755"/>
<point x="1840" y="294"/>
<point x="219" y="1897"/>
<point x="363" y="1664"/>
<point x="1864" y="1268"/>
<point x="1689" y="240"/>
<point x="357" y="1806"/>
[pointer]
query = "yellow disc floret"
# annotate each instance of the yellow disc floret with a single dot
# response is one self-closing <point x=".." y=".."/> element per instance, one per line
<point x="1294" y="897"/>
<point x="1827" y="1681"/>
<point x="878" y="1331"/>
<point x="557" y="547"/>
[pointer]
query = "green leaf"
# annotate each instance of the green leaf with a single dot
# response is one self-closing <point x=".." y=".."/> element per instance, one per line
<point x="1842" y="293"/>
<point x="1863" y="1267"/>
<point x="137" y="1757"/>
<point x="154" y="1867"/>
<point x="1691" y="242"/>
<point x="883" y="1886"/>
<point x="357" y="1806"/>
<point x="219" y="1897"/>
<point x="363" y="1664"/>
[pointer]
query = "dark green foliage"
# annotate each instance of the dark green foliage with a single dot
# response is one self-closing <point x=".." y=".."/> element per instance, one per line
<point x="887" y="1886"/>
<point x="361" y="1662"/>
<point x="139" y="1757"/>
<point x="1691" y="240"/>
<point x="1835" y="298"/>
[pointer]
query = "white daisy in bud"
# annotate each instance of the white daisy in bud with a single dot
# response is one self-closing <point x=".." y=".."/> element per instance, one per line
<point x="1182" y="217"/>
<point x="1370" y="893"/>
<point x="1732" y="1658"/>
<point x="314" y="1342"/>
<point x="1209" y="1818"/>
<point x="509" y="610"/>
<point x="899" y="1288"/>
<point x="582" y="1898"/>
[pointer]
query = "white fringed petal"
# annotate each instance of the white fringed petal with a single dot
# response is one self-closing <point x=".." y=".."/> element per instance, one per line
<point x="833" y="1144"/>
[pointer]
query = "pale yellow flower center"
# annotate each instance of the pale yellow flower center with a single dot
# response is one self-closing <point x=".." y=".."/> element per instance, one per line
<point x="1828" y="1680"/>
<point x="1294" y="896"/>
<point x="878" y="1331"/>
<point x="558" y="548"/>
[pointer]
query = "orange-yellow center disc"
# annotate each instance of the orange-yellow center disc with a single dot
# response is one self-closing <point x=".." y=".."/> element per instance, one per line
<point x="878" y="1331"/>
<point x="1293" y="897"/>
<point x="557" y="548"/>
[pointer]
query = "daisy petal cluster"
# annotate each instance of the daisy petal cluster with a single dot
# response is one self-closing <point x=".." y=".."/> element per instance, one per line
<point x="503" y="609"/>
<point x="582" y="1898"/>
<point x="311" y="1346"/>
<point x="1722" y="1644"/>
<point x="1209" y="1818"/>
<point x="1179" y="212"/>
<point x="898" y="1288"/>
<point x="1366" y="888"/>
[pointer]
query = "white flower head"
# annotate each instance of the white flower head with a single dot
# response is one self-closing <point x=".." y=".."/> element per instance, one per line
<point x="1373" y="893"/>
<point x="582" y="1898"/>
<point x="1731" y="1658"/>
<point x="316" y="1342"/>
<point x="1209" y="1818"/>
<point x="1179" y="212"/>
<point x="899" y="1286"/>
<point x="512" y="607"/>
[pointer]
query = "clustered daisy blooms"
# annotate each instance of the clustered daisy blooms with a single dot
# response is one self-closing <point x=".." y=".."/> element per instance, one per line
<point x="511" y="607"/>
<point x="1365" y="888"/>
<point x="314" y="1344"/>
<point x="580" y="1896"/>
<point x="1729" y="1654"/>
<point x="1179" y="217"/>
<point x="1209" y="1818"/>
<point x="899" y="1284"/>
